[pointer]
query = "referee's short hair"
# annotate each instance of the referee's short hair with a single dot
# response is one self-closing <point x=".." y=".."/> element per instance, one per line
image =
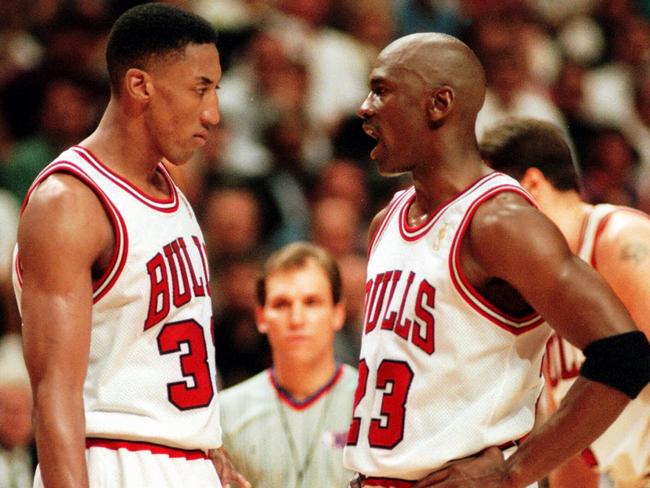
<point x="295" y="256"/>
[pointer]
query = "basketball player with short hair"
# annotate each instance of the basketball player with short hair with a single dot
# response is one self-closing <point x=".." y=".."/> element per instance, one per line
<point x="287" y="425"/>
<point x="614" y="240"/>
<point x="111" y="275"/>
<point x="463" y="272"/>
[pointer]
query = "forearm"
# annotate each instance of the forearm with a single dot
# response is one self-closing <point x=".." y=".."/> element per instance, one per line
<point x="60" y="437"/>
<point x="584" y="414"/>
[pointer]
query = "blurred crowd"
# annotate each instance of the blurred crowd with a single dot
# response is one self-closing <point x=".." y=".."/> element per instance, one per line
<point x="289" y="160"/>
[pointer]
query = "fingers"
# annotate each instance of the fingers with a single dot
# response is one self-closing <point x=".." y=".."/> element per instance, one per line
<point x="433" y="478"/>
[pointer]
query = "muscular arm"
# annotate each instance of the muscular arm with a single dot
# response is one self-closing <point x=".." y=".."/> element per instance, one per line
<point x="577" y="303"/>
<point x="513" y="241"/>
<point x="62" y="233"/>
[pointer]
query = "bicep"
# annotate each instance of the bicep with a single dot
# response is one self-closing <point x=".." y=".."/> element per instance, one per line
<point x="61" y="234"/>
<point x="522" y="247"/>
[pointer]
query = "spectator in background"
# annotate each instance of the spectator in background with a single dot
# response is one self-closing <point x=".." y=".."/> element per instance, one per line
<point x="347" y="343"/>
<point x="609" y="168"/>
<point x="336" y="226"/>
<point x="609" y="88"/>
<point x="345" y="179"/>
<point x="241" y="351"/>
<point x="568" y="95"/>
<point x="66" y="115"/>
<point x="370" y="22"/>
<point x="429" y="16"/>
<point x="499" y="43"/>
<point x="232" y="221"/>
<point x="333" y="59"/>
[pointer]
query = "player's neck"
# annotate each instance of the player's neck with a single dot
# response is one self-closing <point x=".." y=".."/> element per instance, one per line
<point x="302" y="380"/>
<point x="435" y="186"/>
<point x="569" y="212"/>
<point x="117" y="144"/>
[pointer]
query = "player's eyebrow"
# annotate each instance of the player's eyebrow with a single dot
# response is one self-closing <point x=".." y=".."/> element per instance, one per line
<point x="205" y="80"/>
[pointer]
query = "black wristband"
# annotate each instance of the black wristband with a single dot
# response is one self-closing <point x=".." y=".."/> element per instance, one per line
<point x="621" y="361"/>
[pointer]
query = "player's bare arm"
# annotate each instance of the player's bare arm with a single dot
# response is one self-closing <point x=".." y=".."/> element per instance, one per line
<point x="575" y="300"/>
<point x="623" y="259"/>
<point x="538" y="264"/>
<point x="63" y="234"/>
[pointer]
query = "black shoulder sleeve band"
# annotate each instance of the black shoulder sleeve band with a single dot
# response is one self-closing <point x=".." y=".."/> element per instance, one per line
<point x="621" y="361"/>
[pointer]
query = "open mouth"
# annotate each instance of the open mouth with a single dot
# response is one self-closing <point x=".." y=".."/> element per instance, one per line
<point x="374" y="133"/>
<point x="371" y="131"/>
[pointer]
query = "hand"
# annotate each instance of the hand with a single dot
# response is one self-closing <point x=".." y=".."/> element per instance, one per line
<point x="226" y="470"/>
<point x="487" y="470"/>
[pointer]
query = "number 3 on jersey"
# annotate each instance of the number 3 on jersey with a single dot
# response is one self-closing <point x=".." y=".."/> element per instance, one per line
<point x="394" y="378"/>
<point x="194" y="364"/>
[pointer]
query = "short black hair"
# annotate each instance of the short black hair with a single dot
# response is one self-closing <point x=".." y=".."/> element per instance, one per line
<point x="516" y="144"/>
<point x="150" y="30"/>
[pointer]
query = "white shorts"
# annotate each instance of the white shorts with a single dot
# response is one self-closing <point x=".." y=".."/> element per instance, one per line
<point x="121" y="464"/>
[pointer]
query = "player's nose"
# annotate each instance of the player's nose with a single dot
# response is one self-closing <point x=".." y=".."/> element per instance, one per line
<point x="211" y="115"/>
<point x="297" y="315"/>
<point x="365" y="110"/>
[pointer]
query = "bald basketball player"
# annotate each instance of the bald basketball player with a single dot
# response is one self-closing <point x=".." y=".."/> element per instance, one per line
<point x="466" y="277"/>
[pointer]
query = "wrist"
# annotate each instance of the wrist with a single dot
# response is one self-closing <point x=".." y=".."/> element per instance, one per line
<point x="513" y="476"/>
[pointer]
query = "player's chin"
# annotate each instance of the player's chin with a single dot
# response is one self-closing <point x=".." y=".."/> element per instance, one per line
<point x="389" y="169"/>
<point x="181" y="157"/>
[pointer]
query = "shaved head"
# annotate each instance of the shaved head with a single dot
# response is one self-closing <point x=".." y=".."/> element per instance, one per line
<point x="439" y="59"/>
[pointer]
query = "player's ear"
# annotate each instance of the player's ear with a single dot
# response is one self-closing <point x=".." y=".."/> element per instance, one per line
<point x="339" y="316"/>
<point x="534" y="181"/>
<point x="138" y="84"/>
<point x="439" y="103"/>
<point x="260" y="320"/>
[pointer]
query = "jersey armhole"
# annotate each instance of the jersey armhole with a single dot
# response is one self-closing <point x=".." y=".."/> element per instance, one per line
<point x="469" y="294"/>
<point x="120" y="248"/>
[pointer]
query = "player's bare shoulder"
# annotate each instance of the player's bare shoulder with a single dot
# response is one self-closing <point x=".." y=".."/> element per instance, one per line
<point x="508" y="234"/>
<point x="64" y="212"/>
<point x="625" y="239"/>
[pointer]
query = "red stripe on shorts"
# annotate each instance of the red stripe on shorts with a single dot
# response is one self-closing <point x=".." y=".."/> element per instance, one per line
<point x="172" y="452"/>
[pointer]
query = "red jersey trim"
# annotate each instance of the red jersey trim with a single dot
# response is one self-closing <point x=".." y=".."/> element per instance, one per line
<point x="514" y="325"/>
<point x="393" y="206"/>
<point x="601" y="228"/>
<point x="411" y="234"/>
<point x="120" y="250"/>
<point x="309" y="401"/>
<point x="172" y="452"/>
<point x="167" y="205"/>
<point x="387" y="482"/>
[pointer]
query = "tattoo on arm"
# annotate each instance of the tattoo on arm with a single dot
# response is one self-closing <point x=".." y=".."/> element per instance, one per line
<point x="635" y="252"/>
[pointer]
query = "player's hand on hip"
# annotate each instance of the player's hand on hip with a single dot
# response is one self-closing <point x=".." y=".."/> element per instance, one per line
<point x="486" y="470"/>
<point x="227" y="472"/>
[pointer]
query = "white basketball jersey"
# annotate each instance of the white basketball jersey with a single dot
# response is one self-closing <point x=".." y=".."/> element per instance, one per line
<point x="443" y="374"/>
<point x="627" y="440"/>
<point x="151" y="370"/>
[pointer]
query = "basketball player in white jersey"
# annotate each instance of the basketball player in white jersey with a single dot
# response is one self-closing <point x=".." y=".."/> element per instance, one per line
<point x="616" y="241"/>
<point x="111" y="275"/>
<point x="463" y="272"/>
<point x="287" y="426"/>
